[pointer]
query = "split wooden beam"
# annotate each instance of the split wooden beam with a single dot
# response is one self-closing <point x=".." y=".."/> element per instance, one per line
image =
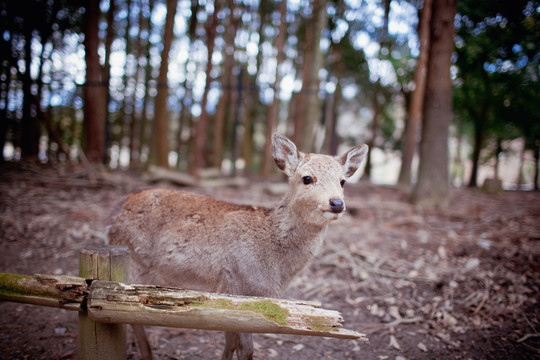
<point x="163" y="306"/>
<point x="65" y="292"/>
<point x="111" y="302"/>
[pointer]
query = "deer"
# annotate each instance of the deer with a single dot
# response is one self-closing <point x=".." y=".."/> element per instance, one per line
<point x="182" y="239"/>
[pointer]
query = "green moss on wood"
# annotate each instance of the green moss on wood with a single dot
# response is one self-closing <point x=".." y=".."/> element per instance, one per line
<point x="319" y="323"/>
<point x="13" y="284"/>
<point x="270" y="310"/>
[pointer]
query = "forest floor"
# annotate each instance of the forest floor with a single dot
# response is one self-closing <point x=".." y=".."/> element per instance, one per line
<point x="455" y="283"/>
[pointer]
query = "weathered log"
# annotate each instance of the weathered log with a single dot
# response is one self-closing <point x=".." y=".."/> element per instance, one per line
<point x="66" y="292"/>
<point x="156" y="174"/>
<point x="114" y="302"/>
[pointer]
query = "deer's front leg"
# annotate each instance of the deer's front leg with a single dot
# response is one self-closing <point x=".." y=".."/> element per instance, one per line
<point x="242" y="343"/>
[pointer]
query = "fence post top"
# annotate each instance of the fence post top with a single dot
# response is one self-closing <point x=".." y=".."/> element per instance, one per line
<point x="102" y="249"/>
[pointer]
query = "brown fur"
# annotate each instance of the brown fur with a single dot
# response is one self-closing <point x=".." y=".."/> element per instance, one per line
<point x="193" y="241"/>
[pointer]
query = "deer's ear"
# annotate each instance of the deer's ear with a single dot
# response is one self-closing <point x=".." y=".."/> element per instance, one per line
<point x="285" y="154"/>
<point x="351" y="160"/>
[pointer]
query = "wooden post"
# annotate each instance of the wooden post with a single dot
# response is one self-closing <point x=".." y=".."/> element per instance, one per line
<point x="98" y="340"/>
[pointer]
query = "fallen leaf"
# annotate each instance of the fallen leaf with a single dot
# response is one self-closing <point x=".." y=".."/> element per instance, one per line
<point x="272" y="353"/>
<point x="394" y="343"/>
<point x="422" y="347"/>
<point x="394" y="312"/>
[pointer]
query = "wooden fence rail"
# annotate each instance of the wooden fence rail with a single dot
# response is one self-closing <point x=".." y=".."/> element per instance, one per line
<point x="105" y="305"/>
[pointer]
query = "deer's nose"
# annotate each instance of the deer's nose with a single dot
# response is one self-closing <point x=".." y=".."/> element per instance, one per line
<point x="336" y="206"/>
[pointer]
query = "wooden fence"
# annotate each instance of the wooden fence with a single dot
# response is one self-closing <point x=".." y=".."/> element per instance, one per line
<point x="105" y="304"/>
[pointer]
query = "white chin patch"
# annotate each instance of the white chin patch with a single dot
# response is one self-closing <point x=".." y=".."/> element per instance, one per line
<point x="332" y="216"/>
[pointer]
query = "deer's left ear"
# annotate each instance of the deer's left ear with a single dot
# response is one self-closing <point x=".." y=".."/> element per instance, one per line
<point x="351" y="160"/>
<point x="285" y="154"/>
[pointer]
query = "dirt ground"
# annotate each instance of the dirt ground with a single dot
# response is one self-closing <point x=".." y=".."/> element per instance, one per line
<point x="458" y="283"/>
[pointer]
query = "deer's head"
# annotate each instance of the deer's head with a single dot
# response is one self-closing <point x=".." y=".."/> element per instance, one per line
<point x="316" y="180"/>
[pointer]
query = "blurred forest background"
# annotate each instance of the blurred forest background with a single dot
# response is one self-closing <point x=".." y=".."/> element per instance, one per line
<point x="94" y="93"/>
<point x="444" y="92"/>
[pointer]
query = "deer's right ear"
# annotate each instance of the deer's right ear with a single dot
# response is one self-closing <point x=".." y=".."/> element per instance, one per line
<point x="351" y="160"/>
<point x="285" y="154"/>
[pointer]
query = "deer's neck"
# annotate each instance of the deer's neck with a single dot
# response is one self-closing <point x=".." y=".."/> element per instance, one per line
<point x="296" y="240"/>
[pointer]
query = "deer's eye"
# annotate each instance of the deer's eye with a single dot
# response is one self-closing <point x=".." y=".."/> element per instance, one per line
<point x="342" y="183"/>
<point x="307" y="180"/>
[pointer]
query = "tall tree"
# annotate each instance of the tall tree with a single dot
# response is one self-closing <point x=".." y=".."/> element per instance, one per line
<point x="160" y="125"/>
<point x="273" y="109"/>
<point x="414" y="114"/>
<point x="185" y="125"/>
<point x="30" y="125"/>
<point x="107" y="74"/>
<point x="496" y="92"/>
<point x="94" y="102"/>
<point x="433" y="182"/>
<point x="226" y="79"/>
<point x="197" y="154"/>
<point x="376" y="101"/>
<point x="143" y="122"/>
<point x="308" y="108"/>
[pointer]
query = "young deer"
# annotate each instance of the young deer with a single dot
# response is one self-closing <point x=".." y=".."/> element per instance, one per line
<point x="196" y="242"/>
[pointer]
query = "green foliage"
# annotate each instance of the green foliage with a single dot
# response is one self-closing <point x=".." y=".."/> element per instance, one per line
<point x="498" y="61"/>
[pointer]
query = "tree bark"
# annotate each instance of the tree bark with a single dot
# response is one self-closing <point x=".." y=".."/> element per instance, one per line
<point x="201" y="128"/>
<point x="273" y="109"/>
<point x="143" y="138"/>
<point x="30" y="126"/>
<point x="94" y="102"/>
<point x="479" y="135"/>
<point x="433" y="182"/>
<point x="160" y="125"/>
<point x="226" y="80"/>
<point x="107" y="76"/>
<point x="185" y="123"/>
<point x="414" y="115"/>
<point x="308" y="107"/>
<point x="376" y="91"/>
<point x="374" y="127"/>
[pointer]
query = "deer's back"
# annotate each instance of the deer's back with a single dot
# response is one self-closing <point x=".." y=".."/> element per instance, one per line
<point x="189" y="240"/>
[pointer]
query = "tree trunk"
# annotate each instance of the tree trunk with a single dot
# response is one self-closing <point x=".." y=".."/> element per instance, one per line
<point x="433" y="182"/>
<point x="107" y="76"/>
<point x="308" y="107"/>
<point x="201" y="128"/>
<point x="536" y="163"/>
<point x="126" y="110"/>
<point x="30" y="126"/>
<point x="252" y="101"/>
<point x="94" y="102"/>
<point x="4" y="94"/>
<point x="331" y="138"/>
<point x="143" y="138"/>
<point x="519" y="177"/>
<point x="414" y="115"/>
<point x="160" y="128"/>
<point x="185" y="117"/>
<point x="374" y="129"/>
<point x="376" y="91"/>
<point x="479" y="135"/>
<point x="134" y="155"/>
<point x="273" y="109"/>
<point x="498" y="151"/>
<point x="226" y="88"/>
